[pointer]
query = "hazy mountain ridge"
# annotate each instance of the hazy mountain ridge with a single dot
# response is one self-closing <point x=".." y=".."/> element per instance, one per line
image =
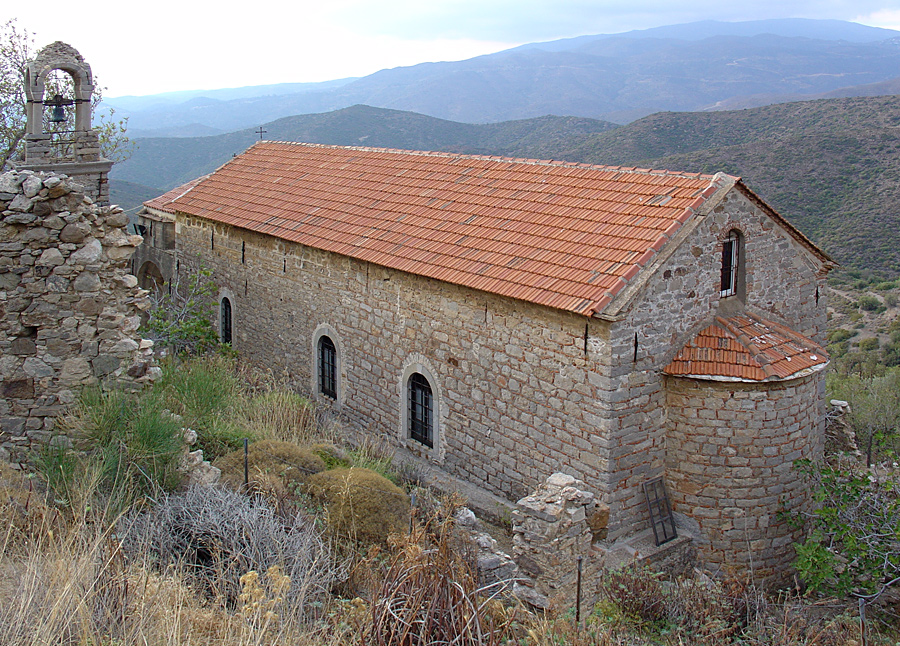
<point x="617" y="77"/>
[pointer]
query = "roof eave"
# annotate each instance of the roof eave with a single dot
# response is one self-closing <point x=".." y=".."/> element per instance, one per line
<point x="723" y="378"/>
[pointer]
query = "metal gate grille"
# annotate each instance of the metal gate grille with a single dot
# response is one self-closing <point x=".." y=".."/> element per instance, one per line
<point x="661" y="518"/>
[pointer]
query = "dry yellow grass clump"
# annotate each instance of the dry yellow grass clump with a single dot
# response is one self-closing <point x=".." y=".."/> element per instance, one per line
<point x="361" y="504"/>
<point x="273" y="466"/>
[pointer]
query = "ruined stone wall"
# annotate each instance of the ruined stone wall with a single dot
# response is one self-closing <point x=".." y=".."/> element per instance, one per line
<point x="69" y="310"/>
<point x="783" y="284"/>
<point x="731" y="449"/>
<point x="515" y="383"/>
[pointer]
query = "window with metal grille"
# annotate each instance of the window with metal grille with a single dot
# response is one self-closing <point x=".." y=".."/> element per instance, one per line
<point x="225" y="321"/>
<point x="420" y="410"/>
<point x="730" y="264"/>
<point x="327" y="367"/>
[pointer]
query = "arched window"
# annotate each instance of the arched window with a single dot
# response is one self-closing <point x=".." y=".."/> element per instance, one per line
<point x="732" y="263"/>
<point x="420" y="409"/>
<point x="327" y="367"/>
<point x="225" y="321"/>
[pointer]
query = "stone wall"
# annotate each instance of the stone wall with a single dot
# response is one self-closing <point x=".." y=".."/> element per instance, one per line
<point x="69" y="309"/>
<point x="729" y="467"/>
<point x="512" y="380"/>
<point x="552" y="530"/>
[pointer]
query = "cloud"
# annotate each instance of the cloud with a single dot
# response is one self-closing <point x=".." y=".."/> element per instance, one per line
<point x="885" y="18"/>
<point x="531" y="20"/>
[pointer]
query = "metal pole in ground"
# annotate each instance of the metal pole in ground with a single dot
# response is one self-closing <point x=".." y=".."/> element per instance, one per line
<point x="246" y="466"/>
<point x="862" y="622"/>
<point x="578" y="596"/>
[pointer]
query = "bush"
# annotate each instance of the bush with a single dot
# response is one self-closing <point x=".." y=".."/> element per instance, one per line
<point x="869" y="303"/>
<point x="130" y="447"/>
<point x="870" y="344"/>
<point x="839" y="334"/>
<point x="217" y="536"/>
<point x="207" y="395"/>
<point x="361" y="504"/>
<point x="852" y="545"/>
<point x="288" y="463"/>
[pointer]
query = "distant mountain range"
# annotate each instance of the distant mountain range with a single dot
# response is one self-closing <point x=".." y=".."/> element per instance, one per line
<point x="621" y="77"/>
<point x="830" y="166"/>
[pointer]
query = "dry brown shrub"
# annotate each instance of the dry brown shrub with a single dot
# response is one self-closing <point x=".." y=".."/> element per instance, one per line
<point x="427" y="592"/>
<point x="290" y="463"/>
<point x="26" y="516"/>
<point x="361" y="504"/>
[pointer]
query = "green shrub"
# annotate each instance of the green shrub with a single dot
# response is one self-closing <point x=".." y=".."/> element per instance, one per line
<point x="206" y="393"/>
<point x="361" y="504"/>
<point x="852" y="545"/>
<point x="868" y="303"/>
<point x="130" y="446"/>
<point x="839" y="334"/>
<point x="290" y="464"/>
<point x="870" y="344"/>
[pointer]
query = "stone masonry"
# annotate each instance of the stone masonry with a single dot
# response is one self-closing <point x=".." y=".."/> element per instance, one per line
<point x="69" y="309"/>
<point x="737" y="481"/>
<point x="552" y="529"/>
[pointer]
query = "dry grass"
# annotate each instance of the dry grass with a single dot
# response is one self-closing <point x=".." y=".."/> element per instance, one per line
<point x="274" y="467"/>
<point x="77" y="584"/>
<point x="361" y="505"/>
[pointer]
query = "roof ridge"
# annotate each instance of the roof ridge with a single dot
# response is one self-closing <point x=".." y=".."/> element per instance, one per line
<point x="756" y="353"/>
<point x="498" y="158"/>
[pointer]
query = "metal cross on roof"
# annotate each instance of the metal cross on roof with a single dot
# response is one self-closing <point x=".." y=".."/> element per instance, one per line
<point x="260" y="132"/>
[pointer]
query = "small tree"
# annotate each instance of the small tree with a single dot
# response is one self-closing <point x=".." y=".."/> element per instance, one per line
<point x="875" y="410"/>
<point x="182" y="314"/>
<point x="853" y="546"/>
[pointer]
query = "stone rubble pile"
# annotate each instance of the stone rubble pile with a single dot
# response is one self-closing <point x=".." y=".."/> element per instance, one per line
<point x="69" y="308"/>
<point x="552" y="528"/>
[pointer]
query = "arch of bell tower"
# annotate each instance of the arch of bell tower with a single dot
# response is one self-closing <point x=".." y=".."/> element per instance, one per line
<point x="75" y="153"/>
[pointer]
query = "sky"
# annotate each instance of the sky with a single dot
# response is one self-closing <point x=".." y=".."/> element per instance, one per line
<point x="167" y="45"/>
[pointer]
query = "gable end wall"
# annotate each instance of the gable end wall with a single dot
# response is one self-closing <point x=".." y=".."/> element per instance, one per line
<point x="682" y="297"/>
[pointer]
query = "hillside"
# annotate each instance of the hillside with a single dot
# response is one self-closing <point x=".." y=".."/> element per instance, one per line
<point x="831" y="166"/>
<point x="168" y="162"/>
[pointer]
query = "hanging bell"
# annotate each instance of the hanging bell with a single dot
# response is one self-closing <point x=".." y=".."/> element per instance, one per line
<point x="58" y="115"/>
<point x="59" y="112"/>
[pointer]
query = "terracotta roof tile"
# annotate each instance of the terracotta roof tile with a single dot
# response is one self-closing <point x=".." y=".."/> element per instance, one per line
<point x="554" y="233"/>
<point x="164" y="202"/>
<point x="747" y="348"/>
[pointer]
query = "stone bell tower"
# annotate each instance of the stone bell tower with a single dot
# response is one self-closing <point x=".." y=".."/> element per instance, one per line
<point x="74" y="152"/>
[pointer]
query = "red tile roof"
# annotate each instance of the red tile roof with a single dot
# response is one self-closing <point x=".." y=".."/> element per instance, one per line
<point x="747" y="348"/>
<point x="164" y="202"/>
<point x="564" y="235"/>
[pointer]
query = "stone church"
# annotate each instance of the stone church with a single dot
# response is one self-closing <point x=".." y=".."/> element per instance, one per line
<point x="505" y="319"/>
